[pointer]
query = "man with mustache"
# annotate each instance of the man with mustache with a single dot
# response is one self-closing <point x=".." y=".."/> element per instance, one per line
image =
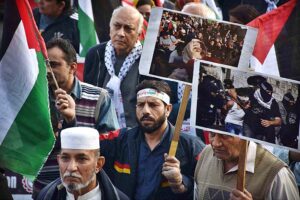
<point x="88" y="105"/>
<point x="114" y="64"/>
<point x="267" y="177"/>
<point x="137" y="159"/>
<point x="80" y="166"/>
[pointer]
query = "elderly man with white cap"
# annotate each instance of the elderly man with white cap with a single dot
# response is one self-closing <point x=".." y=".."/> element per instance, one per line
<point x="137" y="160"/>
<point x="80" y="165"/>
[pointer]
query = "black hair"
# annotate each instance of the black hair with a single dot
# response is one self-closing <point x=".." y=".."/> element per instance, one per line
<point x="65" y="46"/>
<point x="244" y="13"/>
<point x="228" y="84"/>
<point x="160" y="86"/>
<point x="144" y="2"/>
<point x="68" y="8"/>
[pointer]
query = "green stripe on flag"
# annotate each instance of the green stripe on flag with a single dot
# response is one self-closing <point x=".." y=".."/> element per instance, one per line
<point x="30" y="138"/>
<point x="87" y="32"/>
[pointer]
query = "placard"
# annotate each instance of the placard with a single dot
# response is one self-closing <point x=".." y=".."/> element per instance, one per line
<point x="248" y="104"/>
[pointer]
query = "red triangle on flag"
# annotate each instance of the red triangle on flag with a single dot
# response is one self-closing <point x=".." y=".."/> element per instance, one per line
<point x="269" y="27"/>
<point x="34" y="38"/>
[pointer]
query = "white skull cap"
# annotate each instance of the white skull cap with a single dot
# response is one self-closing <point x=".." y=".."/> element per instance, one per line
<point x="80" y="138"/>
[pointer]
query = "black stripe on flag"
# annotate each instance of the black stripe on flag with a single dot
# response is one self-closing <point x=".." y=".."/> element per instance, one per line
<point x="287" y="46"/>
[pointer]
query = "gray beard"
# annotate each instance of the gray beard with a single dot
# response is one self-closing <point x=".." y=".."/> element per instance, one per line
<point x="77" y="186"/>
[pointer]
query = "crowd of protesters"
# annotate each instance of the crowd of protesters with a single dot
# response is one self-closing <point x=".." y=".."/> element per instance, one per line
<point x="137" y="163"/>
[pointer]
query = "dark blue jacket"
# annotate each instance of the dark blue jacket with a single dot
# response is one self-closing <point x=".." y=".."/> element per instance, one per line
<point x="56" y="191"/>
<point x="63" y="24"/>
<point x="121" y="151"/>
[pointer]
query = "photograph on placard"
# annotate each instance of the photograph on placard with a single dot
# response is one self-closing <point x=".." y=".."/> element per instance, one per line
<point x="175" y="39"/>
<point x="247" y="104"/>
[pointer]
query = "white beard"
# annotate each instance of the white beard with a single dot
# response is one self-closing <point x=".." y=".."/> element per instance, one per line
<point x="76" y="186"/>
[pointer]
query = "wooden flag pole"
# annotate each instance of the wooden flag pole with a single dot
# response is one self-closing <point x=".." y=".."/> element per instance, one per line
<point x="52" y="74"/>
<point x="179" y="120"/>
<point x="242" y="165"/>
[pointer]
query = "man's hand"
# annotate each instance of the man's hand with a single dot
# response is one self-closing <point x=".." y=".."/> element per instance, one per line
<point x="65" y="104"/>
<point x="179" y="74"/>
<point x="171" y="170"/>
<point x="265" y="123"/>
<point x="238" y="195"/>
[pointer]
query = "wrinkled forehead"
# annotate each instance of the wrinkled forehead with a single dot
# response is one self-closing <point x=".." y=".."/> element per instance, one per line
<point x="224" y="137"/>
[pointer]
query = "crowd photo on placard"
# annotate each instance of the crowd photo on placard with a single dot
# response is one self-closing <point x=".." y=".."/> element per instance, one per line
<point x="183" y="38"/>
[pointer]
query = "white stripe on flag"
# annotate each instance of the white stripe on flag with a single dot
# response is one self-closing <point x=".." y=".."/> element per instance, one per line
<point x="18" y="73"/>
<point x="270" y="65"/>
<point x="86" y="6"/>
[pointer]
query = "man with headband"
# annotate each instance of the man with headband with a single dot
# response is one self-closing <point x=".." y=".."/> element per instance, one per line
<point x="263" y="115"/>
<point x="137" y="160"/>
<point x="80" y="166"/>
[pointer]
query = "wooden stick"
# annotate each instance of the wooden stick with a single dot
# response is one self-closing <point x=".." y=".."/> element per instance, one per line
<point x="179" y="120"/>
<point x="242" y="165"/>
<point x="52" y="74"/>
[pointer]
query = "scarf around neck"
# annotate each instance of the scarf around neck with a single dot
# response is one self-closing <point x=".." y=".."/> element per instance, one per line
<point x="115" y="80"/>
<point x="258" y="97"/>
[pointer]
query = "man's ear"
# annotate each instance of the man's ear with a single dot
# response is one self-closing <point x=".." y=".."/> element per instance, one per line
<point x="100" y="163"/>
<point x="169" y="109"/>
<point x="62" y="6"/>
<point x="73" y="68"/>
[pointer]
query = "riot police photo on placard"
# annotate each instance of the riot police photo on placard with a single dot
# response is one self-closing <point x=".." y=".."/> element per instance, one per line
<point x="247" y="104"/>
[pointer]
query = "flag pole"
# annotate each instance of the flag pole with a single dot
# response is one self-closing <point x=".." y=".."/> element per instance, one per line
<point x="51" y="72"/>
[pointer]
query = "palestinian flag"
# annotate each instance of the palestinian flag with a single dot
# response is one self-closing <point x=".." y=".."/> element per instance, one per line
<point x="129" y="2"/>
<point x="88" y="35"/>
<point x="280" y="28"/>
<point x="26" y="136"/>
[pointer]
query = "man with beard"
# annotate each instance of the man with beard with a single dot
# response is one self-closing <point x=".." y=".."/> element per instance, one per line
<point x="80" y="166"/>
<point x="290" y="121"/>
<point x="91" y="105"/>
<point x="263" y="114"/>
<point x="137" y="160"/>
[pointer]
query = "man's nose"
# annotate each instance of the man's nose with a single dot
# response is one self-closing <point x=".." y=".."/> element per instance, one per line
<point x="121" y="32"/>
<point x="217" y="141"/>
<point x="72" y="166"/>
<point x="146" y="109"/>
